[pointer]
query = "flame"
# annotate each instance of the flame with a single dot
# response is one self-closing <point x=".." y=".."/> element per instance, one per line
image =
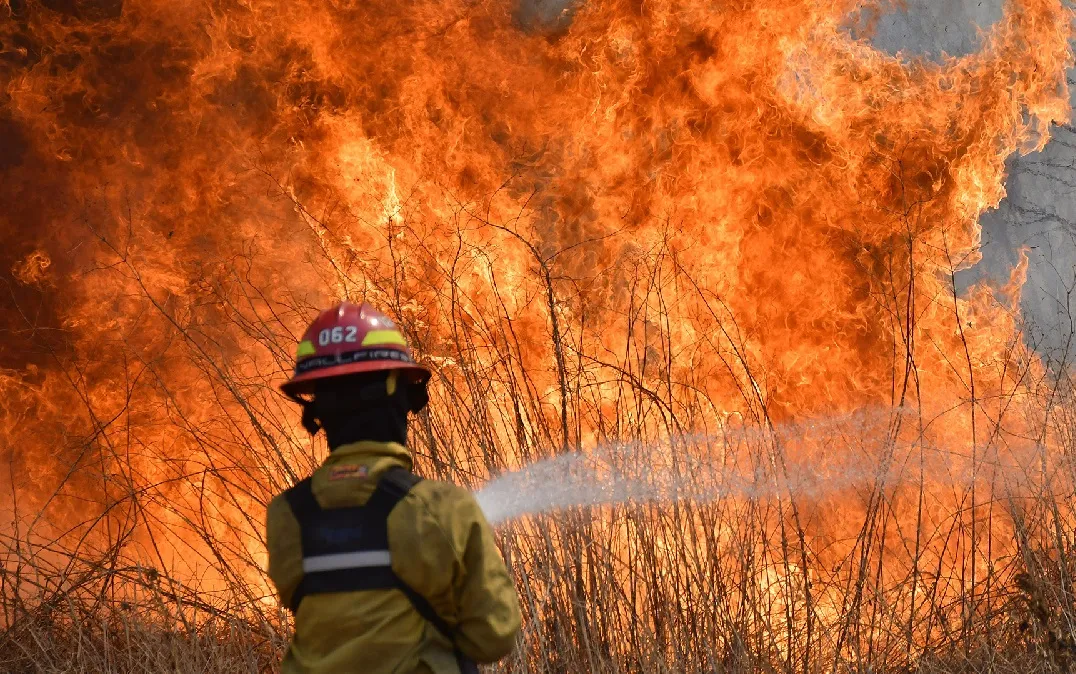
<point x="632" y="220"/>
<point x="32" y="269"/>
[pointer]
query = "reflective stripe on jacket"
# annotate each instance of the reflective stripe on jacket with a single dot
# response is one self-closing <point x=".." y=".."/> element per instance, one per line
<point x="441" y="545"/>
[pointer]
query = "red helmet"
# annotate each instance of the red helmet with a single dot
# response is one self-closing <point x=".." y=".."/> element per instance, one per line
<point x="349" y="339"/>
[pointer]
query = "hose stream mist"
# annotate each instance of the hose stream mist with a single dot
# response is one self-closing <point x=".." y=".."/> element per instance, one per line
<point x="865" y="451"/>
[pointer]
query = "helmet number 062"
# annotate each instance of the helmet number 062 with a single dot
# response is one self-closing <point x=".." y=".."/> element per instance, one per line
<point x="338" y="335"/>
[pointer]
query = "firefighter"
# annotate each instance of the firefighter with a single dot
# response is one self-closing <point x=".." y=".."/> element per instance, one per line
<point x="383" y="571"/>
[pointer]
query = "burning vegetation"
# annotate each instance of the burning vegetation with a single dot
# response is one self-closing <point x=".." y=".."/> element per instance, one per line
<point x="729" y="230"/>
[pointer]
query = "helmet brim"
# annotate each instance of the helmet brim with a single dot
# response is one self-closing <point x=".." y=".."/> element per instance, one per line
<point x="304" y="384"/>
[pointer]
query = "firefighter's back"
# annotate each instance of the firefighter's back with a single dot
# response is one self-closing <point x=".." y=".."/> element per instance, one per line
<point x="440" y="547"/>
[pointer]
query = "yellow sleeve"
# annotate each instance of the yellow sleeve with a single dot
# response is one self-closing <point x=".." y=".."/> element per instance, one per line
<point x="448" y="555"/>
<point x="489" y="617"/>
<point x="282" y="538"/>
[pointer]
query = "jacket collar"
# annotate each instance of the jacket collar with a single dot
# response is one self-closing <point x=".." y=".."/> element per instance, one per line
<point x="369" y="452"/>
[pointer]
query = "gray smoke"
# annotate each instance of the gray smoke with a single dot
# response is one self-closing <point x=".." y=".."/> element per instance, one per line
<point x="934" y="27"/>
<point x="545" y="15"/>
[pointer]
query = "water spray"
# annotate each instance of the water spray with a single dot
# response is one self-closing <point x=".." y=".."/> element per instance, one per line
<point x="814" y="460"/>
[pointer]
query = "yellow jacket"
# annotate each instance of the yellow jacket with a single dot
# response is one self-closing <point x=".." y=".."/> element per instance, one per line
<point x="442" y="547"/>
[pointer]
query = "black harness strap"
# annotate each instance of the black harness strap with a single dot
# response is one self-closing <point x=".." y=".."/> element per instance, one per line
<point x="394" y="485"/>
<point x="301" y="499"/>
<point x="354" y="529"/>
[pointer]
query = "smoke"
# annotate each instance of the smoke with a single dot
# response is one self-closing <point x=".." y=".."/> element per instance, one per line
<point x="546" y="15"/>
<point x="934" y="29"/>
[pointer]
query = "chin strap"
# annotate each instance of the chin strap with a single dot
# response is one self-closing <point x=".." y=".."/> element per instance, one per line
<point x="310" y="420"/>
<point x="417" y="396"/>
